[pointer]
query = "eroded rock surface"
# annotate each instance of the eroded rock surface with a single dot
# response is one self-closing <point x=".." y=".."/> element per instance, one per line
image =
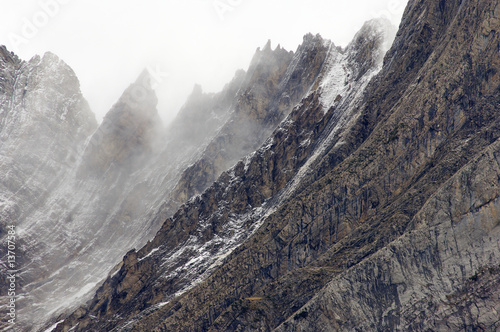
<point x="377" y="212"/>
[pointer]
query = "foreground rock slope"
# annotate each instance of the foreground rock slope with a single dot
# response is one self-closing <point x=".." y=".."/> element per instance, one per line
<point x="373" y="210"/>
<point x="81" y="194"/>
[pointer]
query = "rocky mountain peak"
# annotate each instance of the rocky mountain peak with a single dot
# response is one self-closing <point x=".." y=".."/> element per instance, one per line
<point x="371" y="43"/>
<point x="45" y="92"/>
<point x="315" y="42"/>
<point x="311" y="46"/>
<point x="321" y="190"/>
<point x="267" y="55"/>
<point x="128" y="130"/>
<point x="378" y="29"/>
<point x="7" y="57"/>
<point x="190" y="110"/>
<point x="310" y="38"/>
<point x="390" y="222"/>
<point x="139" y="97"/>
<point x="267" y="47"/>
<point x="52" y="80"/>
<point x="197" y="91"/>
<point x="9" y="63"/>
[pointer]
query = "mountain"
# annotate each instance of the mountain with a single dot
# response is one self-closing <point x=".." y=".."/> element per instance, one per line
<point x="190" y="246"/>
<point x="88" y="185"/>
<point x="324" y="189"/>
<point x="39" y="135"/>
<point x="96" y="191"/>
<point x="372" y="206"/>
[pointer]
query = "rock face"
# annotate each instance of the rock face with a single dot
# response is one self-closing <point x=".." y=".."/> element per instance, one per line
<point x="44" y="122"/>
<point x="97" y="191"/>
<point x="442" y="275"/>
<point x="266" y="95"/>
<point x="327" y="189"/>
<point x="192" y="244"/>
<point x="372" y="206"/>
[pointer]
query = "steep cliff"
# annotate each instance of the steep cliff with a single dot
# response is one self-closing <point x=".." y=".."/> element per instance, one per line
<point x="259" y="106"/>
<point x="44" y="125"/>
<point x="377" y="212"/>
<point x="80" y="195"/>
<point x="128" y="132"/>
<point x="94" y="192"/>
<point x="190" y="246"/>
<point x="324" y="189"/>
<point x="44" y="121"/>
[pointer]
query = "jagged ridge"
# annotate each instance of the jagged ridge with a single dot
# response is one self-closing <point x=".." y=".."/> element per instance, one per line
<point x="367" y="204"/>
<point x="210" y="226"/>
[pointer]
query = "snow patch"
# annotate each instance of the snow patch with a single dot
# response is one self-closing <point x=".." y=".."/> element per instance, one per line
<point x="50" y="329"/>
<point x="336" y="81"/>
<point x="151" y="253"/>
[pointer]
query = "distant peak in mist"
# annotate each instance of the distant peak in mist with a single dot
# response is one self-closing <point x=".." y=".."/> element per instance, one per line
<point x="267" y="47"/>
<point x="197" y="90"/>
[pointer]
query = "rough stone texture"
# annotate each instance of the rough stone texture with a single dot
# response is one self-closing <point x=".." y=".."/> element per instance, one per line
<point x="378" y="211"/>
<point x="44" y="124"/>
<point x="366" y="207"/>
<point x="190" y="246"/>
<point x="441" y="276"/>
<point x="32" y="148"/>
<point x="204" y="217"/>
<point x="94" y="192"/>
<point x="449" y="98"/>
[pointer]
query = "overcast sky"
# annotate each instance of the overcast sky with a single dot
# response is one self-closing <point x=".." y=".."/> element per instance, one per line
<point x="182" y="42"/>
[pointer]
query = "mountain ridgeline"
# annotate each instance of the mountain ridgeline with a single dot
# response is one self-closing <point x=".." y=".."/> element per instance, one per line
<point x="372" y="206"/>
<point x="95" y="191"/>
<point x="330" y="188"/>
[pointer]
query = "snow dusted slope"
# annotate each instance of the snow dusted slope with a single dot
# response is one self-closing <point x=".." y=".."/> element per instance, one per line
<point x="74" y="222"/>
<point x="368" y="207"/>
<point x="81" y="207"/>
<point x="345" y="76"/>
<point x="44" y="123"/>
<point x="377" y="213"/>
<point x="192" y="244"/>
<point x="361" y="60"/>
<point x="81" y="196"/>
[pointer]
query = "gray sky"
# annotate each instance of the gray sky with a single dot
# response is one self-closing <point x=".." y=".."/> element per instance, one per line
<point x="182" y="42"/>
